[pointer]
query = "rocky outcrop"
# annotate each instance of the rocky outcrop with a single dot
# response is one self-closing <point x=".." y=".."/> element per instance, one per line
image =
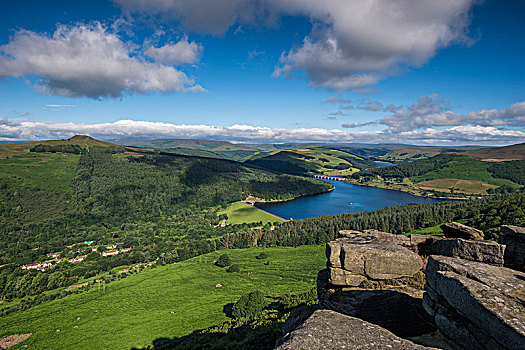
<point x="457" y="230"/>
<point x="476" y="305"/>
<point x="375" y="279"/>
<point x="514" y="239"/>
<point x="370" y="276"/>
<point x="482" y="251"/>
<point x="370" y="255"/>
<point x="326" y="329"/>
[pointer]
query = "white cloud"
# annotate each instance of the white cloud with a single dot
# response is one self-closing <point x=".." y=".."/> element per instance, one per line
<point x="432" y="111"/>
<point x="182" y="52"/>
<point x="87" y="60"/>
<point x="13" y="130"/>
<point x="353" y="43"/>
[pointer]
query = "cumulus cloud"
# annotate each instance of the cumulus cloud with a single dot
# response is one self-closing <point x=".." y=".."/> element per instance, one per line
<point x="353" y="43"/>
<point x="13" y="130"/>
<point x="182" y="52"/>
<point x="87" y="60"/>
<point x="433" y="111"/>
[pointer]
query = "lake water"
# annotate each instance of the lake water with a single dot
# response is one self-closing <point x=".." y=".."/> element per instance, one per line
<point x="345" y="198"/>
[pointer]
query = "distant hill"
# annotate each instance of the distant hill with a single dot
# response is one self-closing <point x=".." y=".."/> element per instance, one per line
<point x="498" y="154"/>
<point x="489" y="170"/>
<point x="311" y="161"/>
<point x="205" y="148"/>
<point x="10" y="149"/>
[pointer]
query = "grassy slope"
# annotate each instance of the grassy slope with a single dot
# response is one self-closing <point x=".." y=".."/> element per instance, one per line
<point x="136" y="310"/>
<point x="239" y="213"/>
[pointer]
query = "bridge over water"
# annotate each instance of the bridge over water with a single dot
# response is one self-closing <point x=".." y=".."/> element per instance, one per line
<point x="333" y="178"/>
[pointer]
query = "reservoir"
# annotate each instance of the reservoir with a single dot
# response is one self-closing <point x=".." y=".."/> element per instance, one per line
<point x="345" y="198"/>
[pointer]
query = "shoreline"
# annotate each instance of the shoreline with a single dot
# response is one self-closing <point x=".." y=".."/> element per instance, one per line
<point x="418" y="195"/>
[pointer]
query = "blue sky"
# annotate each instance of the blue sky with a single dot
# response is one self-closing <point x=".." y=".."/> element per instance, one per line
<point x="412" y="71"/>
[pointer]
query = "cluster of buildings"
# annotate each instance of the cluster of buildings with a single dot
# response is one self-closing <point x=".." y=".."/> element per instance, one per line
<point x="48" y="264"/>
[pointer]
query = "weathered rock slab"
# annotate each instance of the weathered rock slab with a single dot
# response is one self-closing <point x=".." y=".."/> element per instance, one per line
<point x="457" y="230"/>
<point x="483" y="251"/>
<point x="340" y="277"/>
<point x="476" y="305"/>
<point x="380" y="260"/>
<point x="326" y="329"/>
<point x="514" y="239"/>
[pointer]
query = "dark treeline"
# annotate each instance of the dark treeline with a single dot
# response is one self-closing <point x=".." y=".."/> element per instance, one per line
<point x="487" y="214"/>
<point x="415" y="168"/>
<point x="74" y="149"/>
<point x="513" y="170"/>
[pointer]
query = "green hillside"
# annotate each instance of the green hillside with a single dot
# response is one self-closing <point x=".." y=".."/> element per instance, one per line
<point x="201" y="148"/>
<point x="52" y="200"/>
<point x="165" y="302"/>
<point x="311" y="161"/>
<point x="448" y="174"/>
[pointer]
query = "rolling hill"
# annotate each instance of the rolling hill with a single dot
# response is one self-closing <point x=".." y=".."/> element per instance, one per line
<point x="83" y="141"/>
<point x="498" y="154"/>
<point x="453" y="173"/>
<point x="202" y="148"/>
<point x="311" y="161"/>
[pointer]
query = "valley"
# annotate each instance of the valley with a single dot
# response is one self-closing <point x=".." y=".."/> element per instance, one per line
<point x="125" y="238"/>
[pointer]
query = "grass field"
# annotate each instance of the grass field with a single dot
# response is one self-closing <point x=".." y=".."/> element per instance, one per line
<point x="239" y="213"/>
<point x="137" y="310"/>
<point x="456" y="185"/>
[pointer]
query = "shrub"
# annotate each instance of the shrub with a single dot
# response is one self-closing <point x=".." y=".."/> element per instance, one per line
<point x="263" y="255"/>
<point x="223" y="261"/>
<point x="234" y="268"/>
<point x="249" y="305"/>
<point x="289" y="301"/>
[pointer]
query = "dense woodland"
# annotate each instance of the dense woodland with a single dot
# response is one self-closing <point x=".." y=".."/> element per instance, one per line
<point x="401" y="171"/>
<point x="513" y="170"/>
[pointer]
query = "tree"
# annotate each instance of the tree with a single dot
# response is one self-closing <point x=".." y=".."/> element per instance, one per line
<point x="249" y="305"/>
<point x="223" y="261"/>
<point x="234" y="268"/>
<point x="263" y="255"/>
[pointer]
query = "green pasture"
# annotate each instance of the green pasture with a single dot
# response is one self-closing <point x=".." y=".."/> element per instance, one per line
<point x="168" y="301"/>
<point x="240" y="213"/>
